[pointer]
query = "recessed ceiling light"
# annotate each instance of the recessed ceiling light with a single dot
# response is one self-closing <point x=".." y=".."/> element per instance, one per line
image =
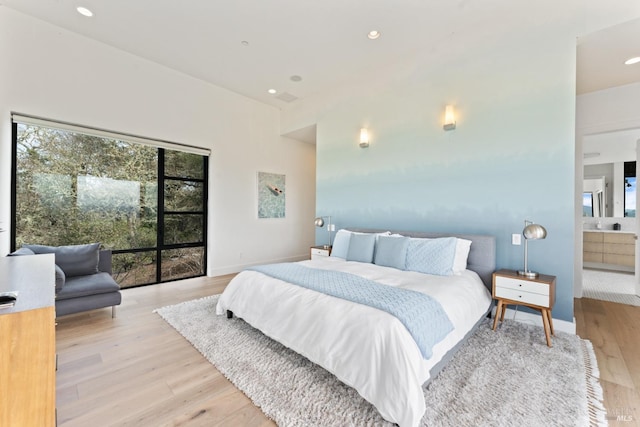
<point x="272" y="91"/>
<point x="84" y="11"/>
<point x="244" y="43"/>
<point x="295" y="78"/>
<point x="631" y="61"/>
<point x="373" y="34"/>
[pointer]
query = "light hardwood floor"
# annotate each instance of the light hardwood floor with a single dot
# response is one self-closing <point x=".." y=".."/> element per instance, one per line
<point x="614" y="331"/>
<point x="136" y="370"/>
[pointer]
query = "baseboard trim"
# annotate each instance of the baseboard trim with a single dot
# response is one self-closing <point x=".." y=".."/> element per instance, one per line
<point x="536" y="319"/>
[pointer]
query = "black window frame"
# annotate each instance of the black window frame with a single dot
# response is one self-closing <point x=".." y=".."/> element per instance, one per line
<point x="160" y="243"/>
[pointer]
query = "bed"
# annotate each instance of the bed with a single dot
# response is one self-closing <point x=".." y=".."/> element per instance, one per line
<point x="368" y="348"/>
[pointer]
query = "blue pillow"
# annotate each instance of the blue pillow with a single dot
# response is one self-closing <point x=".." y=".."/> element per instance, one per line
<point x="392" y="252"/>
<point x="432" y="256"/>
<point x="341" y="244"/>
<point x="361" y="247"/>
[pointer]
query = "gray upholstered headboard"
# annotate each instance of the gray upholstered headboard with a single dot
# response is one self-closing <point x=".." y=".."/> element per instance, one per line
<point x="482" y="256"/>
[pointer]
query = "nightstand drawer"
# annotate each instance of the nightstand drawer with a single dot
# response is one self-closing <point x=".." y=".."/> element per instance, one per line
<point x="521" y="296"/>
<point x="523" y="286"/>
<point x="320" y="252"/>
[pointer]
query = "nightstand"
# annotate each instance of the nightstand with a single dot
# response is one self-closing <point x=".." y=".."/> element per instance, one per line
<point x="319" y="252"/>
<point x="509" y="288"/>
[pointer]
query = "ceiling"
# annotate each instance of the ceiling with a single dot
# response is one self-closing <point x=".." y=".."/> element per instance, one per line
<point x="250" y="46"/>
<point x="601" y="56"/>
<point x="600" y="65"/>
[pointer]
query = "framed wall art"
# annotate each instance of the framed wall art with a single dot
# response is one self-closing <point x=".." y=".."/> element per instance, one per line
<point x="271" y="195"/>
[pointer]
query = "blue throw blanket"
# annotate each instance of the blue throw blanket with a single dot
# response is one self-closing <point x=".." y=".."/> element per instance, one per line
<point x="422" y="315"/>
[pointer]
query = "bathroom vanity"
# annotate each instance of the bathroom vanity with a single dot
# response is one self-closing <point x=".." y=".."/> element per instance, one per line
<point x="609" y="249"/>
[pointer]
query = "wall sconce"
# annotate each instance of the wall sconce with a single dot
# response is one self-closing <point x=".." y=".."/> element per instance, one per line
<point x="449" y="118"/>
<point x="364" y="138"/>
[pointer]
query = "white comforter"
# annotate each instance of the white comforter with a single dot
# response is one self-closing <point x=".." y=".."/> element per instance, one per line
<point x="366" y="348"/>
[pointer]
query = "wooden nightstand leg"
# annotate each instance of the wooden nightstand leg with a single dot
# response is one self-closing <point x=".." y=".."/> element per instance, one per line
<point x="550" y="321"/>
<point x="545" y="321"/>
<point x="504" y="309"/>
<point x="498" y="310"/>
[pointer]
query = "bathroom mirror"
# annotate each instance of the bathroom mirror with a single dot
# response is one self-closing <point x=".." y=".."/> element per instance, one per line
<point x="607" y="158"/>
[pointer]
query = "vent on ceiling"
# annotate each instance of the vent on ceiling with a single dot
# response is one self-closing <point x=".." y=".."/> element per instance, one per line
<point x="286" y="97"/>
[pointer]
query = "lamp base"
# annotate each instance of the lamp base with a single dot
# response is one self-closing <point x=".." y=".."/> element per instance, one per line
<point x="530" y="274"/>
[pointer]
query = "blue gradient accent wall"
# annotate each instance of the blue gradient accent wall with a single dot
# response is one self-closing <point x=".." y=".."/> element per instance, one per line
<point x="511" y="158"/>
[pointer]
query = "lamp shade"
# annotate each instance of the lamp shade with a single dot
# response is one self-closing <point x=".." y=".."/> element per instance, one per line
<point x="534" y="232"/>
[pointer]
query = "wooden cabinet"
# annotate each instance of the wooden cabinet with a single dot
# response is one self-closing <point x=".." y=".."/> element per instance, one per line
<point x="619" y="249"/>
<point x="614" y="248"/>
<point x="27" y="342"/>
<point x="592" y="246"/>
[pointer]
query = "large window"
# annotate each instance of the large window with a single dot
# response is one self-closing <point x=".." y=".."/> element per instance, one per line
<point x="146" y="204"/>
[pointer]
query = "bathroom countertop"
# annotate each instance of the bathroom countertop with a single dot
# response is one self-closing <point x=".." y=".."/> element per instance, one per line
<point x="595" y="230"/>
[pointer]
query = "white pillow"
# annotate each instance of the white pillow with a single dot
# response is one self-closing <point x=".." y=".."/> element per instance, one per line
<point x="384" y="233"/>
<point x="460" y="258"/>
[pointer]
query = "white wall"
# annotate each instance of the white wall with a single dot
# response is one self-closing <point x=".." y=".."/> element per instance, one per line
<point x="49" y="72"/>
<point x="607" y="110"/>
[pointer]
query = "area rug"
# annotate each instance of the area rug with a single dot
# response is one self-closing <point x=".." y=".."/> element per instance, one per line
<point x="503" y="378"/>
